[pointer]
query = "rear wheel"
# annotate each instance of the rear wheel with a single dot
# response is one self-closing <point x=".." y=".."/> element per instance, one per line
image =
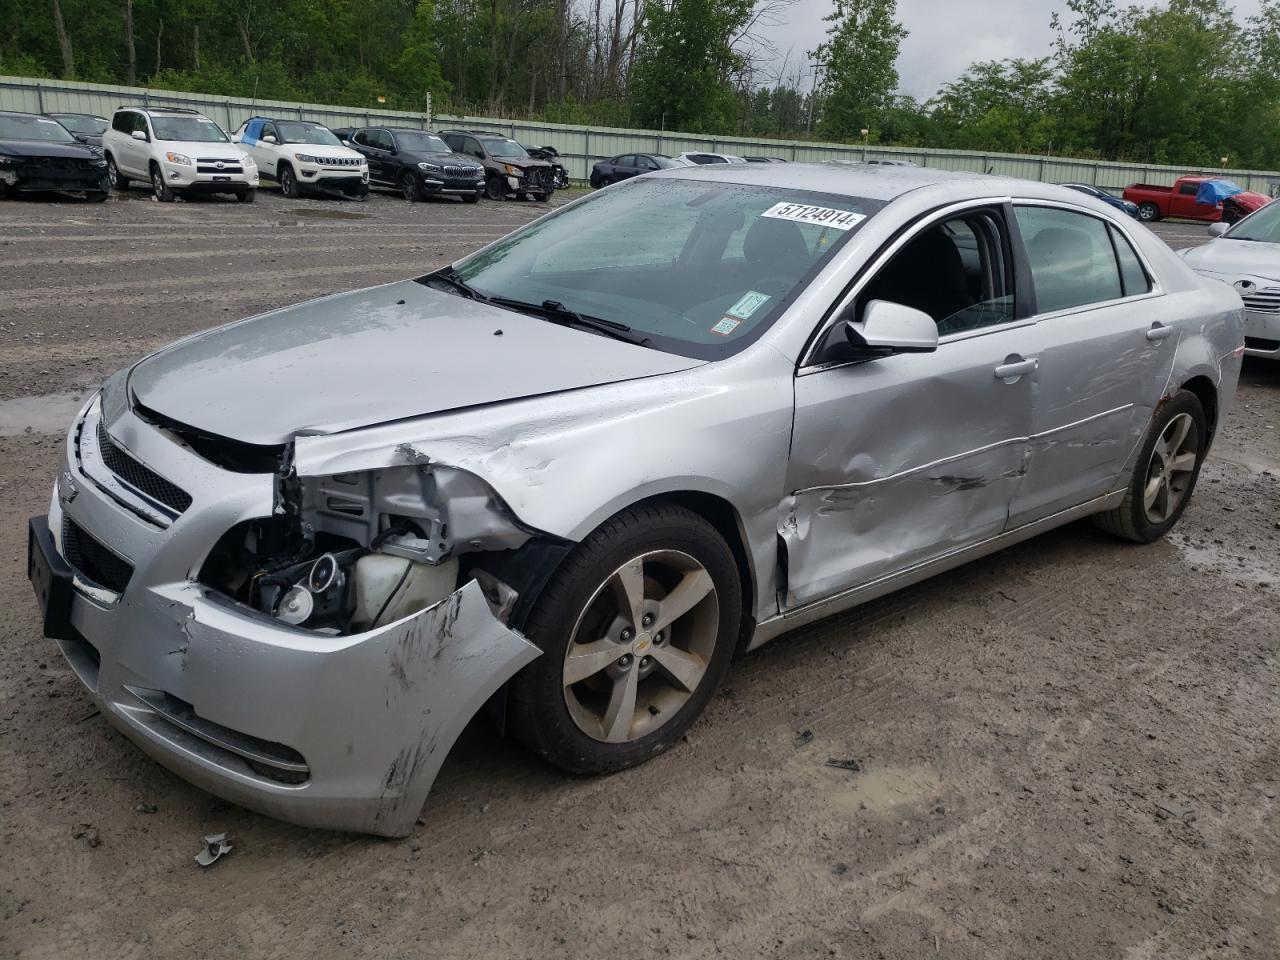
<point x="159" y="189"/>
<point x="495" y="188"/>
<point x="1148" y="212"/>
<point x="637" y="628"/>
<point x="1165" y="472"/>
<point x="117" y="180"/>
<point x="288" y="182"/>
<point x="409" y="186"/>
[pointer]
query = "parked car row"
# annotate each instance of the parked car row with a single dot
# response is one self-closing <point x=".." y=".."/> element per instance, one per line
<point x="178" y="151"/>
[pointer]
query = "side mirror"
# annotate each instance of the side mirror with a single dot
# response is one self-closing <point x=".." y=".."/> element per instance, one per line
<point x="888" y="328"/>
<point x="1218" y="229"/>
<point x="347" y="143"/>
<point x="140" y="135"/>
<point x="269" y="138"/>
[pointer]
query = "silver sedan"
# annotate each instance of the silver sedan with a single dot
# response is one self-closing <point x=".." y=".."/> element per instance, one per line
<point x="573" y="475"/>
<point x="1246" y="256"/>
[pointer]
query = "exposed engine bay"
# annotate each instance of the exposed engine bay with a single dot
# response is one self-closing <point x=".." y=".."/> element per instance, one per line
<point x="349" y="553"/>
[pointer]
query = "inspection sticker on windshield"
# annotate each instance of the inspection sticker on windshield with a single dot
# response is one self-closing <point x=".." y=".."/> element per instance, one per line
<point x="726" y="326"/>
<point x="819" y="216"/>
<point x="749" y="304"/>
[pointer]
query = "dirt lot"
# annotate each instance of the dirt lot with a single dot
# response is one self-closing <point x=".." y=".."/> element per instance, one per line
<point x="1069" y="749"/>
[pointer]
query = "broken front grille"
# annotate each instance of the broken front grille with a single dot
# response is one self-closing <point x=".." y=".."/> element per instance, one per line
<point x="92" y="560"/>
<point x="141" y="478"/>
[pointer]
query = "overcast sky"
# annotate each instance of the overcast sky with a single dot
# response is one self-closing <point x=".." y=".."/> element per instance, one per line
<point x="945" y="35"/>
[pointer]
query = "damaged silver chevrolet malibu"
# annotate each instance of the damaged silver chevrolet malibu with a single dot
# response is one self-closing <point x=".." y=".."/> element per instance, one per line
<point x="570" y="476"/>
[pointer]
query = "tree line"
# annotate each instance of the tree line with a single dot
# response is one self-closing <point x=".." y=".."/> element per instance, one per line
<point x="1181" y="82"/>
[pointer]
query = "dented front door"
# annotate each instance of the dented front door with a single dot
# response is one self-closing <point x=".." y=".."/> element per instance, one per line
<point x="900" y="460"/>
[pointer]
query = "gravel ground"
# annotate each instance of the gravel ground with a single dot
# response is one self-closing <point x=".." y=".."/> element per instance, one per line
<point x="1068" y="749"/>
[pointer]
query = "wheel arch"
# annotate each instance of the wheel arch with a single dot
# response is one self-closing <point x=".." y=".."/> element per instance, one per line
<point x="1206" y="391"/>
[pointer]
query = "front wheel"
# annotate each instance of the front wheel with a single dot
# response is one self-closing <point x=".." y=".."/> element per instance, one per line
<point x="542" y="197"/>
<point x="471" y="198"/>
<point x="495" y="188"/>
<point x="637" y="628"/>
<point x="1165" y="472"/>
<point x="246" y="196"/>
<point x="159" y="189"/>
<point x="409" y="186"/>
<point x="289" y="182"/>
<point x="95" y="196"/>
<point x="1148" y="212"/>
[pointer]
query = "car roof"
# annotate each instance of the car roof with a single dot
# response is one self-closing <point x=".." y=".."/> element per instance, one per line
<point x="870" y="181"/>
<point x="406" y="130"/>
<point x="72" y="113"/>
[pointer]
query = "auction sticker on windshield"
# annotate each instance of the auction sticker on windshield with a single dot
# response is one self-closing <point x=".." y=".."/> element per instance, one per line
<point x="819" y="216"/>
<point x="749" y="304"/>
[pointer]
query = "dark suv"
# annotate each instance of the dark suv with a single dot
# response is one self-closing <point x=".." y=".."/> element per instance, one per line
<point x="508" y="168"/>
<point x="416" y="162"/>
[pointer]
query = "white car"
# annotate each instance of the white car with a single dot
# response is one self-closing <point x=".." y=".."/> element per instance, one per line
<point x="699" y="158"/>
<point x="304" y="156"/>
<point x="1246" y="256"/>
<point x="177" y="151"/>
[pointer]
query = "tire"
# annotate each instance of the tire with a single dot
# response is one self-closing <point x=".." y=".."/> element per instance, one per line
<point x="117" y="180"/>
<point x="1148" y="212"/>
<point x="595" y="180"/>
<point x="95" y="196"/>
<point x="495" y="189"/>
<point x="409" y="186"/>
<point x="288" y="182"/>
<point x="542" y="197"/>
<point x="1180" y="418"/>
<point x="246" y="196"/>
<point x="471" y="198"/>
<point x="570" y="725"/>
<point x="159" y="189"/>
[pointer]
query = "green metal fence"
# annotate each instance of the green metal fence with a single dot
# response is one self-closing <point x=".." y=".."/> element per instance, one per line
<point x="581" y="146"/>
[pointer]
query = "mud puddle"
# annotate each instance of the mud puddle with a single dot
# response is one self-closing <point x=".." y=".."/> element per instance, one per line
<point x="51" y="413"/>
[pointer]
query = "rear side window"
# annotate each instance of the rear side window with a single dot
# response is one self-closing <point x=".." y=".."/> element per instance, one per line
<point x="122" y="122"/>
<point x="1133" y="277"/>
<point x="1072" y="260"/>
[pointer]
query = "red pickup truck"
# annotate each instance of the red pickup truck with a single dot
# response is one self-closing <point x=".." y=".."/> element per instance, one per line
<point x="1188" y="198"/>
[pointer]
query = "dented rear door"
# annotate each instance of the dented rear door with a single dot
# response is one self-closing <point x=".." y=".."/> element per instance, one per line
<point x="900" y="460"/>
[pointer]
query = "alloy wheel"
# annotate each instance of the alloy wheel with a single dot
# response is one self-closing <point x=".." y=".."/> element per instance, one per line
<point x="641" y="646"/>
<point x="113" y="175"/>
<point x="409" y="187"/>
<point x="1171" y="469"/>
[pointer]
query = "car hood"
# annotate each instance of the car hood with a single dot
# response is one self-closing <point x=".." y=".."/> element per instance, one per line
<point x="45" y="148"/>
<point x="459" y="159"/>
<point x="205" y="149"/>
<point x="373" y="356"/>
<point x="1243" y="257"/>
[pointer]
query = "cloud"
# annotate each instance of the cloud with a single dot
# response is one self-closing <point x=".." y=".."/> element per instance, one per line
<point x="945" y="36"/>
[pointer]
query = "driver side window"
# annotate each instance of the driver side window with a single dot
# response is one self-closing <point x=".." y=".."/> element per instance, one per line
<point x="958" y="271"/>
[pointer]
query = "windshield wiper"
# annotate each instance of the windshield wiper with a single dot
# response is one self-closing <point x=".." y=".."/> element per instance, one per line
<point x="557" y="312"/>
<point x="450" y="278"/>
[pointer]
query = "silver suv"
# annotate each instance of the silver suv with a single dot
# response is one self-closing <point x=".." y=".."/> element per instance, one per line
<point x="177" y="151"/>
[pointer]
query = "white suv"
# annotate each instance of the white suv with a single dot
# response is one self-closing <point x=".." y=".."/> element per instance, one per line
<point x="177" y="151"/>
<point x="304" y="156"/>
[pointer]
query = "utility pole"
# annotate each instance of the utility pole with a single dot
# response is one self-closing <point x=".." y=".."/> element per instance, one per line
<point x="813" y="94"/>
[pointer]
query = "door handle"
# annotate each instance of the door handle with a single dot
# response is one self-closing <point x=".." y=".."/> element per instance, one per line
<point x="1011" y="369"/>
<point x="1159" y="331"/>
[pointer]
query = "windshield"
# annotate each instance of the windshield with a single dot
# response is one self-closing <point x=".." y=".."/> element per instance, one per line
<point x="700" y="269"/>
<point x="89" y="126"/>
<point x="33" y="128"/>
<point x="294" y="132"/>
<point x="416" y="142"/>
<point x="192" y="129"/>
<point x="503" y="147"/>
<point x="1263" y="226"/>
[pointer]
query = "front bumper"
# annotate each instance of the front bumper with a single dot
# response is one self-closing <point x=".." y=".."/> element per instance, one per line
<point x="437" y="183"/>
<point x="60" y="179"/>
<point x="1262" y="333"/>
<point x="343" y="178"/>
<point x="204" y="178"/>
<point x="339" y="732"/>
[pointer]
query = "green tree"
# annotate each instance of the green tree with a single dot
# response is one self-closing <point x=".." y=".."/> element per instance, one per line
<point x="859" y="57"/>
